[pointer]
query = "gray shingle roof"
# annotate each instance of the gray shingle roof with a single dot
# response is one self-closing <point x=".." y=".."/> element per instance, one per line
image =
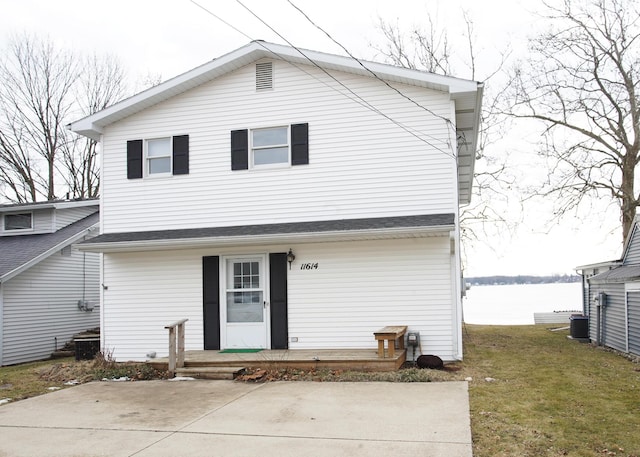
<point x="342" y="225"/>
<point x="618" y="274"/>
<point x="18" y="250"/>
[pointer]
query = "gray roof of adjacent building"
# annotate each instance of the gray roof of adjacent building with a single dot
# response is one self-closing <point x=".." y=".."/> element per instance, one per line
<point x="16" y="252"/>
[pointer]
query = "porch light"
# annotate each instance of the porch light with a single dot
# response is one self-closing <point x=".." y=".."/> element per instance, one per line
<point x="290" y="257"/>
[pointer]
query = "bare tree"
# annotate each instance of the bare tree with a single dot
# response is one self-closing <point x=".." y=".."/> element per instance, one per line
<point x="428" y="48"/>
<point x="37" y="82"/>
<point x="420" y="48"/>
<point x="41" y="89"/>
<point x="100" y="84"/>
<point x="581" y="82"/>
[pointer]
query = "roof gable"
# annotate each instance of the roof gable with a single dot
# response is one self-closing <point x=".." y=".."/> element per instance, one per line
<point x="631" y="250"/>
<point x="467" y="94"/>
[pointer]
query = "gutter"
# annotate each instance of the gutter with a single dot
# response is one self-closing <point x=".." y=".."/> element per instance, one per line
<point x="257" y="240"/>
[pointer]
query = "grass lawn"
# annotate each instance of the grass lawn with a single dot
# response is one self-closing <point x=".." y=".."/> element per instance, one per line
<point x="548" y="396"/>
<point x="551" y="396"/>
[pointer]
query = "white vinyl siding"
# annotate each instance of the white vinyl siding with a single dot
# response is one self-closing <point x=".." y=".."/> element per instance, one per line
<point x="360" y="164"/>
<point x="357" y="288"/>
<point x="67" y="216"/>
<point x="361" y="287"/>
<point x="40" y="305"/>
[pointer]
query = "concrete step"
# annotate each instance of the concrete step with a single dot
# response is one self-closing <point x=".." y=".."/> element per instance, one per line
<point x="210" y="372"/>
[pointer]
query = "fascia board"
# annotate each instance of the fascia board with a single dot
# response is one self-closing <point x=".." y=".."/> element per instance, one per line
<point x="474" y="145"/>
<point x="25" y="266"/>
<point x="48" y="205"/>
<point x="92" y="126"/>
<point x="259" y="240"/>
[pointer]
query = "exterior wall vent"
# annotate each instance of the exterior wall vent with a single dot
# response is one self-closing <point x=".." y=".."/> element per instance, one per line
<point x="264" y="76"/>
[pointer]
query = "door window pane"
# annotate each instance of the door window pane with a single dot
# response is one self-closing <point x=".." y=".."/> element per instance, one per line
<point x="246" y="275"/>
<point x="245" y="306"/>
<point x="245" y="299"/>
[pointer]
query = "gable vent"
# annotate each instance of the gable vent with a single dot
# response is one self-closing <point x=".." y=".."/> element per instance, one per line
<point x="264" y="75"/>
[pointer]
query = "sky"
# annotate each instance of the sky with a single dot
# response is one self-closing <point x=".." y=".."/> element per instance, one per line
<point x="159" y="39"/>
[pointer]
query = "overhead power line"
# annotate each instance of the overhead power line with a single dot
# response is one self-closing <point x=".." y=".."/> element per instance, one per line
<point x="358" y="99"/>
<point x="372" y="107"/>
<point x="371" y="72"/>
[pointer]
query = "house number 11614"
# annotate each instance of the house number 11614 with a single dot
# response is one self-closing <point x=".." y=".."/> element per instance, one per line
<point x="309" y="266"/>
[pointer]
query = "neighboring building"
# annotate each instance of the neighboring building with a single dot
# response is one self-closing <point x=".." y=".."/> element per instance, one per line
<point x="211" y="179"/>
<point x="47" y="288"/>
<point x="612" y="298"/>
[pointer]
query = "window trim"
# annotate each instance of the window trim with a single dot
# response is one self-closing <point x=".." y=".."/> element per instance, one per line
<point x="147" y="159"/>
<point x="17" y="230"/>
<point x="253" y="148"/>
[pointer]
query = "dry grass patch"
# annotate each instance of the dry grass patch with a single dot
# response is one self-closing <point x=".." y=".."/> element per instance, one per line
<point x="551" y="396"/>
<point x="31" y="379"/>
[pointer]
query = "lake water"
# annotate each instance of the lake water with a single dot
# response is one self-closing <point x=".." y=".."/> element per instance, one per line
<point x="515" y="304"/>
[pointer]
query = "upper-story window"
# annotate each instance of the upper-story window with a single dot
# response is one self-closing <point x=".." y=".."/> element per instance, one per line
<point x="158" y="158"/>
<point x="18" y="221"/>
<point x="273" y="146"/>
<point x="270" y="146"/>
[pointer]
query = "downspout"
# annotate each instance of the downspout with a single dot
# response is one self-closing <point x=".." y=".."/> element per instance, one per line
<point x="455" y="248"/>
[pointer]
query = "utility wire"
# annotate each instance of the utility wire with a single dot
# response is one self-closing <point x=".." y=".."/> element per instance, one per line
<point x="222" y="20"/>
<point x="375" y="75"/>
<point x="342" y="84"/>
<point x="358" y="99"/>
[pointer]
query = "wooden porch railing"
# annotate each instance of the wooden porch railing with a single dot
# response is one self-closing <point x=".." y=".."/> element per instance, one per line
<point x="176" y="345"/>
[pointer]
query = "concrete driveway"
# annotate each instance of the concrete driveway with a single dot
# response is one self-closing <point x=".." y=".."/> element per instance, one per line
<point x="204" y="418"/>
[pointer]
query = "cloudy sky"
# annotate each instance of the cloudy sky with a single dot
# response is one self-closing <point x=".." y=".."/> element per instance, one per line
<point x="163" y="38"/>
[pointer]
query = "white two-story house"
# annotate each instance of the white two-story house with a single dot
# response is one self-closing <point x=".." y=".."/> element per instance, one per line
<point x="284" y="199"/>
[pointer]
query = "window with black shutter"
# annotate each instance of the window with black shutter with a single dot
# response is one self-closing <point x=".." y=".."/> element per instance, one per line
<point x="158" y="156"/>
<point x="270" y="147"/>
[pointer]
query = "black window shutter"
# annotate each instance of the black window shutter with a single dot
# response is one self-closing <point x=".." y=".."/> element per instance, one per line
<point x="299" y="144"/>
<point x="239" y="149"/>
<point x="211" y="301"/>
<point x="278" y="290"/>
<point x="134" y="159"/>
<point x="181" y="155"/>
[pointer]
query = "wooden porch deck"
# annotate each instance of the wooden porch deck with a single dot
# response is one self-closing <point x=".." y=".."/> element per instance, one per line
<point x="304" y="359"/>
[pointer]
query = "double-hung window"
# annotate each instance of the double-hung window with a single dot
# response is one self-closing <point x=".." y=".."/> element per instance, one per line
<point x="270" y="146"/>
<point x="158" y="156"/>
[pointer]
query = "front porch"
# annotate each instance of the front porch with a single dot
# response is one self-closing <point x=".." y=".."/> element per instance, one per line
<point x="303" y="359"/>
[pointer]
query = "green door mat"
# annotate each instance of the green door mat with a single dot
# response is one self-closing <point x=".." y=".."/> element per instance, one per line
<point x="229" y="351"/>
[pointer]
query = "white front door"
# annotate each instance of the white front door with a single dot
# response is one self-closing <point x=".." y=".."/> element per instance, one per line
<point x="245" y="305"/>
